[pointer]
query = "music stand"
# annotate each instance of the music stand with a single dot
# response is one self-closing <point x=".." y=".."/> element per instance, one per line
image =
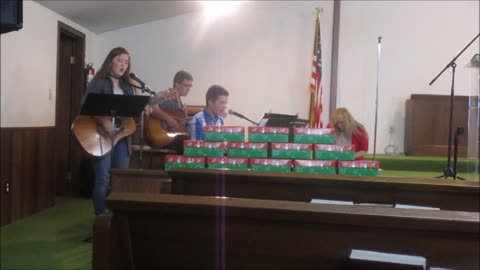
<point x="280" y="120"/>
<point x="300" y="123"/>
<point x="113" y="106"/>
<point x="276" y="120"/>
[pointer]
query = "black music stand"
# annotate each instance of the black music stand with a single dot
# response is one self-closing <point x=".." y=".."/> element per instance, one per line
<point x="282" y="120"/>
<point x="277" y="120"/>
<point x="113" y="106"/>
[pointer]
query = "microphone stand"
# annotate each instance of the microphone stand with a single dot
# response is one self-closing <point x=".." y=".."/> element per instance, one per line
<point x="448" y="171"/>
<point x="143" y="89"/>
<point x="243" y="117"/>
<point x="142" y="139"/>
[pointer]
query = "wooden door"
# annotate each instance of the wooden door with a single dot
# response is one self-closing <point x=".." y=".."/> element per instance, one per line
<point x="70" y="89"/>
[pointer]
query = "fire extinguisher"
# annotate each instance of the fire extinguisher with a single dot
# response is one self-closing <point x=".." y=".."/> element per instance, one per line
<point x="90" y="72"/>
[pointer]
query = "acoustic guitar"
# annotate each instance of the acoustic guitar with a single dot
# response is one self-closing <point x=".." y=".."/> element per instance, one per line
<point x="156" y="130"/>
<point x="94" y="140"/>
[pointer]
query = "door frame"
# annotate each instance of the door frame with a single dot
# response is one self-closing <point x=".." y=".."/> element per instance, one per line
<point x="79" y="37"/>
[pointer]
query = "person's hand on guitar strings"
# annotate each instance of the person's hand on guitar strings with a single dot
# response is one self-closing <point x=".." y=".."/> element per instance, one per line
<point x="147" y="110"/>
<point x="173" y="124"/>
<point x="104" y="125"/>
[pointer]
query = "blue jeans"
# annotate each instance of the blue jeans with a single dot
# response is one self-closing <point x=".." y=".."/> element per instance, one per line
<point x="101" y="166"/>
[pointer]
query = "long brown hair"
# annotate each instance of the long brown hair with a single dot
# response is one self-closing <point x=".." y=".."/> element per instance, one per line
<point x="106" y="67"/>
<point x="352" y="126"/>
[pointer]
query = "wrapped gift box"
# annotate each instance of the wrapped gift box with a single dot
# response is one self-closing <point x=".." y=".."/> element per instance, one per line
<point x="292" y="150"/>
<point x="246" y="149"/>
<point x="227" y="163"/>
<point x="316" y="166"/>
<point x="358" y="167"/>
<point x="177" y="161"/>
<point x="268" y="134"/>
<point x="224" y="133"/>
<point x="270" y="165"/>
<point x="314" y="135"/>
<point x="203" y="149"/>
<point x="334" y="152"/>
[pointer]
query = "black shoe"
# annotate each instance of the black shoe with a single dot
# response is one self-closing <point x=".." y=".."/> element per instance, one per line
<point x="89" y="239"/>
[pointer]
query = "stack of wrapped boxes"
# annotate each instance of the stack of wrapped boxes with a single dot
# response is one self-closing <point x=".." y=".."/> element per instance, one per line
<point x="268" y="149"/>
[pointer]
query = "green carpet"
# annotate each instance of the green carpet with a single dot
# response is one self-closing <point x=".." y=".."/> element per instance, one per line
<point x="392" y="173"/>
<point x="52" y="239"/>
<point x="423" y="164"/>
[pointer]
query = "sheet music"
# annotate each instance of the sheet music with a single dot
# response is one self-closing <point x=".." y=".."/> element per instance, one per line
<point x="407" y="206"/>
<point x="331" y="202"/>
<point x="262" y="122"/>
<point x="388" y="257"/>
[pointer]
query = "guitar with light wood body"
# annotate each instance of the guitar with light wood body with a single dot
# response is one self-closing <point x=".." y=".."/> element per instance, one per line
<point x="156" y="130"/>
<point x="94" y="140"/>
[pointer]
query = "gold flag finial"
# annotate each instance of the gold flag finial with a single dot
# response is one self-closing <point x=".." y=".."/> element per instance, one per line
<point x="318" y="11"/>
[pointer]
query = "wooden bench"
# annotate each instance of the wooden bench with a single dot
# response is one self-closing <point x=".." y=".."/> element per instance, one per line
<point x="443" y="194"/>
<point x="140" y="180"/>
<point x="440" y="193"/>
<point x="155" y="231"/>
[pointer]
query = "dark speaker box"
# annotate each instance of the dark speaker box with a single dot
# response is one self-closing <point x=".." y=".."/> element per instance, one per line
<point x="11" y="15"/>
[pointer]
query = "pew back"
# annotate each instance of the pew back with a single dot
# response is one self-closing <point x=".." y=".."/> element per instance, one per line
<point x="141" y="181"/>
<point x="152" y="231"/>
<point x="438" y="193"/>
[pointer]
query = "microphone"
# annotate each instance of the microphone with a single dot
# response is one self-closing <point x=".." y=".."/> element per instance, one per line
<point x="135" y="78"/>
<point x="143" y="86"/>
<point x="236" y="114"/>
<point x="241" y="116"/>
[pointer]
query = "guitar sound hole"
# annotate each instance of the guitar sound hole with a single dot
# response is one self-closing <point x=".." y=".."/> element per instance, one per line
<point x="118" y="123"/>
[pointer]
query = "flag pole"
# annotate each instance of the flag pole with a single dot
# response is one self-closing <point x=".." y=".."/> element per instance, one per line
<point x="376" y="96"/>
<point x="313" y="121"/>
<point x="311" y="117"/>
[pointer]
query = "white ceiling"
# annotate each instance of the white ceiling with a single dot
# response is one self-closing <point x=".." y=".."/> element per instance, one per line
<point x="105" y="15"/>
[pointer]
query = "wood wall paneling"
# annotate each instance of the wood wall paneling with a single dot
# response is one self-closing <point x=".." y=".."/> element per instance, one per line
<point x="45" y="156"/>
<point x="6" y="179"/>
<point x="28" y="168"/>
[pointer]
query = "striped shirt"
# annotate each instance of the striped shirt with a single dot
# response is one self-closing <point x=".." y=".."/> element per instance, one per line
<point x="170" y="104"/>
<point x="200" y="120"/>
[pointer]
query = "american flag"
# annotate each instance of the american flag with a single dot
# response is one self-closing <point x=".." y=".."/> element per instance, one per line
<point x="316" y="90"/>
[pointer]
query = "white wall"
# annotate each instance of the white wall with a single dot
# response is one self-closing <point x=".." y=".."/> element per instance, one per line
<point x="262" y="55"/>
<point x="419" y="40"/>
<point x="29" y="68"/>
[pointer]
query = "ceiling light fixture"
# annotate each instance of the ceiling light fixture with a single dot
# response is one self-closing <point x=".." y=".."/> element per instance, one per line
<point x="216" y="9"/>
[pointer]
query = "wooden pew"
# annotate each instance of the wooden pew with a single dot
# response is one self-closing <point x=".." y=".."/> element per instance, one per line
<point x="162" y="231"/>
<point x="443" y="194"/>
<point x="141" y="181"/>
